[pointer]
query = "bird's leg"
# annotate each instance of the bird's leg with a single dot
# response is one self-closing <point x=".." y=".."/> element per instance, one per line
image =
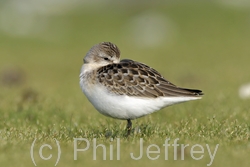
<point x="129" y="127"/>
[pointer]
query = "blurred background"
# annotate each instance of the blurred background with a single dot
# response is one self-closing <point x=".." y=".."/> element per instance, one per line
<point x="195" y="44"/>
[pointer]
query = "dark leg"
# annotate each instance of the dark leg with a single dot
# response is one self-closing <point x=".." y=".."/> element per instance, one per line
<point x="129" y="127"/>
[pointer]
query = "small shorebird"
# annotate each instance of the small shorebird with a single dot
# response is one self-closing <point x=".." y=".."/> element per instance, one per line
<point x="127" y="89"/>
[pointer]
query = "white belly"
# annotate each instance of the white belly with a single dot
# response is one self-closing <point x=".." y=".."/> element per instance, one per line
<point x="123" y="106"/>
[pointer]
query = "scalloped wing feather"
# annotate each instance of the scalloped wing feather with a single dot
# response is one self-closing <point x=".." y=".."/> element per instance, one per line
<point x="136" y="79"/>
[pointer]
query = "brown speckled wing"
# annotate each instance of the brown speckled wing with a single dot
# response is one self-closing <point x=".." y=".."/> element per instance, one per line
<point x="137" y="79"/>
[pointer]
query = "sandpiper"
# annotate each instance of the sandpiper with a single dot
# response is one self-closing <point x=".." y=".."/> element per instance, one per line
<point x="127" y="89"/>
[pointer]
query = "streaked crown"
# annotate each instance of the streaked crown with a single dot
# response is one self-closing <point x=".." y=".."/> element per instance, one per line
<point x="103" y="54"/>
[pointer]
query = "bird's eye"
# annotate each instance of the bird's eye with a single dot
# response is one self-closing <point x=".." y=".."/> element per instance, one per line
<point x="105" y="58"/>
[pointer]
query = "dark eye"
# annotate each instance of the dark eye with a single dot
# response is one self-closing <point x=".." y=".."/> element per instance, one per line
<point x="105" y="58"/>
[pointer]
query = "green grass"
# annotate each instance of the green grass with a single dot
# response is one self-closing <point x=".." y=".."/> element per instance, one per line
<point x="210" y="52"/>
